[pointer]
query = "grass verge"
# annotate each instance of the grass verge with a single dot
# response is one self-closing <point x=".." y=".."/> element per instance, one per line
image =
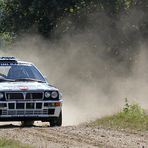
<point x="131" y="117"/>
<point x="7" y="143"/>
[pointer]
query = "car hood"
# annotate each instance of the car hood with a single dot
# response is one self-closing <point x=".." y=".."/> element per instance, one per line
<point x="25" y="86"/>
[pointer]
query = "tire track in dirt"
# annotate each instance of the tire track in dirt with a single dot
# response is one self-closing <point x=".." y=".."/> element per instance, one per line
<point x="59" y="136"/>
<point x="75" y="137"/>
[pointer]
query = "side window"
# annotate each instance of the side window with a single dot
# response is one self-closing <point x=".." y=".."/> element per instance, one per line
<point x="4" y="70"/>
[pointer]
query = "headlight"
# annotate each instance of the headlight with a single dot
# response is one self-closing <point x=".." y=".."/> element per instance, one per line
<point x="54" y="94"/>
<point x="47" y="94"/>
<point x="1" y="95"/>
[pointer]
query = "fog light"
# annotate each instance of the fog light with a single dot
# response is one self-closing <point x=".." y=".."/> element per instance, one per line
<point x="52" y="104"/>
<point x="49" y="104"/>
<point x="58" y="104"/>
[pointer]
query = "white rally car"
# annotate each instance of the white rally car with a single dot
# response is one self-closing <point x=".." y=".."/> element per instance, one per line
<point x="26" y="96"/>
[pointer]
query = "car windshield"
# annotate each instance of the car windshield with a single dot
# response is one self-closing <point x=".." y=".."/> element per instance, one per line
<point x="20" y="72"/>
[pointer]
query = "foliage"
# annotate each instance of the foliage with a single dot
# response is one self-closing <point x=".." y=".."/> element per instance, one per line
<point x="55" y="18"/>
<point x="132" y="117"/>
<point x="5" y="143"/>
<point x="20" y="15"/>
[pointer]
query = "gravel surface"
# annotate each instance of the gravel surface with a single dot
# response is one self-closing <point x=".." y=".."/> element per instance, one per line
<point x="74" y="137"/>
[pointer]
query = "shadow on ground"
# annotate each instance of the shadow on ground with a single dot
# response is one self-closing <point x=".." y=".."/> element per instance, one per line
<point x="6" y="126"/>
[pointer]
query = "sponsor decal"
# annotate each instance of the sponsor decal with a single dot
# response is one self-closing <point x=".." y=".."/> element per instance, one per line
<point x="23" y="87"/>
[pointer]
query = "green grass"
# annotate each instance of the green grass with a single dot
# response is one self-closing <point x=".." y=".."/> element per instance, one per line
<point x="7" y="143"/>
<point x="131" y="117"/>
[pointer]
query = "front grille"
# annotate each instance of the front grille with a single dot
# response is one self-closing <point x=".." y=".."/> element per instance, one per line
<point x="15" y="96"/>
<point x="11" y="105"/>
<point x="25" y="112"/>
<point x="34" y="96"/>
<point x="20" y="105"/>
<point x="24" y="95"/>
<point x="29" y="105"/>
<point x="3" y="105"/>
<point x="26" y="108"/>
<point x="38" y="105"/>
<point x="26" y="105"/>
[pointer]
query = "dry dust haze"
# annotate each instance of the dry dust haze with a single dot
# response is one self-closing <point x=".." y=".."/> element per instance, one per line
<point x="93" y="83"/>
<point x="90" y="87"/>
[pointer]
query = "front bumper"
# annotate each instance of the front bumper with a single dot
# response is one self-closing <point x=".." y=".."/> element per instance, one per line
<point x="29" y="110"/>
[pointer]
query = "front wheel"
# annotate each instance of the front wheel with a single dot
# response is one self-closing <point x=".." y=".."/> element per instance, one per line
<point x="56" y="121"/>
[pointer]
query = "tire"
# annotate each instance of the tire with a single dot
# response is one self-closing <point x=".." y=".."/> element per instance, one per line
<point x="27" y="123"/>
<point x="56" y="121"/>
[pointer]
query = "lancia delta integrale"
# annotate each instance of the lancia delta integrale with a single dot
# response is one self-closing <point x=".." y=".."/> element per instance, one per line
<point x="26" y="96"/>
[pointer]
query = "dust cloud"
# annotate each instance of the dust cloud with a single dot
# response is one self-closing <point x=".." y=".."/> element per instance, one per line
<point x="90" y="87"/>
<point x="93" y="82"/>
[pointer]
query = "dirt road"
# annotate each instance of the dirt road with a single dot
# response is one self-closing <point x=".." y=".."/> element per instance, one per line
<point x="74" y="136"/>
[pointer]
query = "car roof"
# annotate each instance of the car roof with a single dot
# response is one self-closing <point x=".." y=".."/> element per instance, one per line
<point x="24" y="62"/>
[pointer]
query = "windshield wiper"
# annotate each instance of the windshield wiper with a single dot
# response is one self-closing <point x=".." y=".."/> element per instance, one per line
<point x="6" y="80"/>
<point x="29" y="79"/>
